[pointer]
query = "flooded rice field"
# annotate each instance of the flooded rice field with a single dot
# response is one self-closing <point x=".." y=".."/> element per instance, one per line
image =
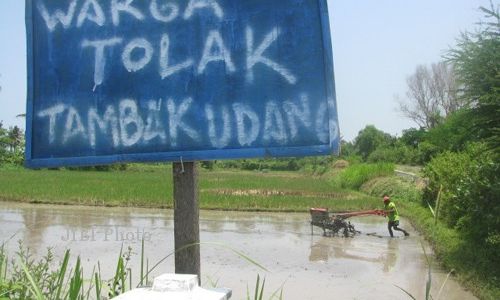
<point x="368" y="266"/>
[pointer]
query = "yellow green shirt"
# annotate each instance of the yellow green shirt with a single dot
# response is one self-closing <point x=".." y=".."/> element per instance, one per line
<point x="394" y="215"/>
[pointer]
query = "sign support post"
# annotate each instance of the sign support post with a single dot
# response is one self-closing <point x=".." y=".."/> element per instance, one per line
<point x="186" y="218"/>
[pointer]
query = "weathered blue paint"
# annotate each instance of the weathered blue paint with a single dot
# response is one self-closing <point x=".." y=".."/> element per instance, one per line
<point x="165" y="80"/>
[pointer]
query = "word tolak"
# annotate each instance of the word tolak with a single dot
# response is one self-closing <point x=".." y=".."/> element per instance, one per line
<point x="140" y="52"/>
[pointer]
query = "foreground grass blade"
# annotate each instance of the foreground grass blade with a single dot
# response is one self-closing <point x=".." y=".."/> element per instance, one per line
<point x="431" y="209"/>
<point x="119" y="267"/>
<point x="444" y="283"/>
<point x="35" y="290"/>
<point x="62" y="274"/>
<point x="142" y="264"/>
<point x="256" y="292"/>
<point x="428" y="284"/>
<point x="262" y="289"/>
<point x="91" y="284"/>
<point x="76" y="282"/>
<point x="406" y="292"/>
<point x="280" y="290"/>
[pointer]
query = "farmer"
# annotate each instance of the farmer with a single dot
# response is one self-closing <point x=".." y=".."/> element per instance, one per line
<point x="392" y="214"/>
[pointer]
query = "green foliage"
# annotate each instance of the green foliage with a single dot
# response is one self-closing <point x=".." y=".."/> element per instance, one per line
<point x="427" y="151"/>
<point x="477" y="63"/>
<point x="477" y="193"/>
<point x="346" y="149"/>
<point x="28" y="278"/>
<point x="354" y="176"/>
<point x="315" y="165"/>
<point x="208" y="165"/>
<point x="449" y="169"/>
<point x="469" y="202"/>
<point x="412" y="137"/>
<point x="451" y="135"/>
<point x="396" y="187"/>
<point x="369" y="139"/>
<point x="11" y="146"/>
<point x="398" y="153"/>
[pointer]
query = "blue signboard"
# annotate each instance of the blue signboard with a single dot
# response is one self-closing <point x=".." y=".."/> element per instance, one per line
<point x="164" y="80"/>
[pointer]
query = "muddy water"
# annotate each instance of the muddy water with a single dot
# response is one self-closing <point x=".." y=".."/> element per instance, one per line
<point x="308" y="266"/>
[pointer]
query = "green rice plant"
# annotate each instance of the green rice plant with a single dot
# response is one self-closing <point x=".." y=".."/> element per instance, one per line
<point x="227" y="190"/>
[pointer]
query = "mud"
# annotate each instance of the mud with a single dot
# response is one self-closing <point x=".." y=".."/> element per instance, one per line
<point x="369" y="266"/>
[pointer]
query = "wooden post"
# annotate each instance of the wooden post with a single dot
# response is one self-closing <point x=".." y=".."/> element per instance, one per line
<point x="186" y="218"/>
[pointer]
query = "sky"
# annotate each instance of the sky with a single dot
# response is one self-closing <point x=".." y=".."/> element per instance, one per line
<point x="377" y="44"/>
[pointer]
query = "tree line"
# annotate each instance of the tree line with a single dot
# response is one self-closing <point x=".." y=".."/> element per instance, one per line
<point x="11" y="145"/>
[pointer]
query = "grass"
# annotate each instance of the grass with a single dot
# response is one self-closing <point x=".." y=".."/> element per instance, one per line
<point x="354" y="176"/>
<point x="26" y="278"/>
<point x="151" y="186"/>
<point x="391" y="185"/>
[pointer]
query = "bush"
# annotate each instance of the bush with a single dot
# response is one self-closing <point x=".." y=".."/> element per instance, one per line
<point x="477" y="194"/>
<point x="354" y="176"/>
<point x="395" y="187"/>
<point x="448" y="170"/>
<point x="208" y="165"/>
<point x="427" y="152"/>
<point x="398" y="154"/>
<point x="469" y="201"/>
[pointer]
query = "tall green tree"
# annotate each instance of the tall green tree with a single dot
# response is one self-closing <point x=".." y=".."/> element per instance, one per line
<point x="369" y="139"/>
<point x="4" y="139"/>
<point x="477" y="65"/>
<point x="15" y="138"/>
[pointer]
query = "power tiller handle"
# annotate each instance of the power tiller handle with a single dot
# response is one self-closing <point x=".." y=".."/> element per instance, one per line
<point x="376" y="212"/>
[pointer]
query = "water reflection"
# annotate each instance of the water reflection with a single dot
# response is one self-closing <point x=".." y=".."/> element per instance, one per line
<point x="326" y="248"/>
<point x="390" y="257"/>
<point x="35" y="224"/>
